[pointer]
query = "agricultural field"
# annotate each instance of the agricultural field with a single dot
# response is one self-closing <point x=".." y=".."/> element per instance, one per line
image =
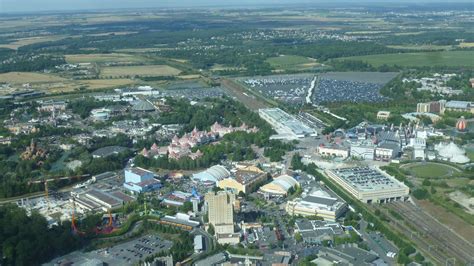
<point x="146" y="70"/>
<point x="28" y="77"/>
<point x="104" y="58"/>
<point x="421" y="59"/>
<point x="292" y="62"/>
<point x="466" y="44"/>
<point x="26" y="41"/>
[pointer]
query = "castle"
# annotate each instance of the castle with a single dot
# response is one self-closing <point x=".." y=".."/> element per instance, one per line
<point x="182" y="147"/>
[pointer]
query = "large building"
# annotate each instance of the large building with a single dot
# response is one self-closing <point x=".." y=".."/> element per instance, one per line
<point x="287" y="126"/>
<point x="459" y="106"/>
<point x="212" y="175"/>
<point x="140" y="180"/>
<point x="333" y="151"/>
<point x="98" y="200"/>
<point x="279" y="186"/>
<point x="363" y="150"/>
<point x="220" y="208"/>
<point x="318" y="203"/>
<point x="431" y="107"/>
<point x="180" y="220"/>
<point x="243" y="180"/>
<point x="369" y="185"/>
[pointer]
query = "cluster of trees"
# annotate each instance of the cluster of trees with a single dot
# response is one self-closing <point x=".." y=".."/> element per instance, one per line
<point x="30" y="62"/>
<point x="27" y="240"/>
<point x="358" y="65"/>
<point x="84" y="106"/>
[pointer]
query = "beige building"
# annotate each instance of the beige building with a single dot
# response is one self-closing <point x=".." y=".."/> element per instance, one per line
<point x="383" y="115"/>
<point x="279" y="186"/>
<point x="333" y="150"/>
<point x="243" y="180"/>
<point x="317" y="203"/>
<point x="369" y="185"/>
<point x="220" y="208"/>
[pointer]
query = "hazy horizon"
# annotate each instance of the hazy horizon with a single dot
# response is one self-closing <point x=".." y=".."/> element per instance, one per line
<point x="16" y="6"/>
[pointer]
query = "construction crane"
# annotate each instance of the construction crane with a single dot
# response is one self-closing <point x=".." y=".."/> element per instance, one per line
<point x="46" y="181"/>
<point x="73" y="220"/>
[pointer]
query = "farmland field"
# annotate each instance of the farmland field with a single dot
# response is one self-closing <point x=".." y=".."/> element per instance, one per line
<point x="26" y="41"/>
<point x="28" y="77"/>
<point x="147" y="70"/>
<point x="291" y="62"/>
<point x="103" y="58"/>
<point x="421" y="59"/>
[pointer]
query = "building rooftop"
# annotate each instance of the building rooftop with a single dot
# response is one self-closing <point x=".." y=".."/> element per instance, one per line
<point x="458" y="104"/>
<point x="104" y="197"/>
<point x="245" y="177"/>
<point x="367" y="179"/>
<point x="139" y="171"/>
<point x="212" y="260"/>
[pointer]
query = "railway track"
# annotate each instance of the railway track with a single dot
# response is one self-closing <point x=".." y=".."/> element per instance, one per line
<point x="450" y="243"/>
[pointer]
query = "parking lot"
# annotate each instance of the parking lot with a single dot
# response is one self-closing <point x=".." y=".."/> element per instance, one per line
<point x="128" y="253"/>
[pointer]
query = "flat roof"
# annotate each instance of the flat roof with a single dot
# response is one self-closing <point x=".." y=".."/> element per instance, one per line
<point x="367" y="179"/>
<point x="139" y="171"/>
<point x="288" y="120"/>
<point x="103" y="196"/>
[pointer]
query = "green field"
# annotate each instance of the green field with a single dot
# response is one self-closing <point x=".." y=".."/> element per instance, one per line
<point x="421" y="59"/>
<point x="291" y="62"/>
<point x="430" y="170"/>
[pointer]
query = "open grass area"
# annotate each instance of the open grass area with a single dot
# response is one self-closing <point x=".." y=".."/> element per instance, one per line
<point x="106" y="83"/>
<point x="28" y="77"/>
<point x="421" y="59"/>
<point x="291" y="62"/>
<point x="146" y="70"/>
<point x="430" y="170"/>
<point x="104" y="58"/>
<point x="470" y="154"/>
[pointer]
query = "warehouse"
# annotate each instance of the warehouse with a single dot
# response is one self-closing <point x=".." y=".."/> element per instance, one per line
<point x="287" y="126"/>
<point x="369" y="185"/>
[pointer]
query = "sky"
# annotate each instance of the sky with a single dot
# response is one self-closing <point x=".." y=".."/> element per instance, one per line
<point x="59" y="5"/>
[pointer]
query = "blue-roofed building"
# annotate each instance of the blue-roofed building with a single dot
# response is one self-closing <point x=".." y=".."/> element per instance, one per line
<point x="140" y="180"/>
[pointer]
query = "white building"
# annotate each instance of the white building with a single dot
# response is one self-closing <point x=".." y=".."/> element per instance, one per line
<point x="335" y="151"/>
<point x="287" y="126"/>
<point x="364" y="151"/>
<point x="369" y="185"/>
<point x="317" y="203"/>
